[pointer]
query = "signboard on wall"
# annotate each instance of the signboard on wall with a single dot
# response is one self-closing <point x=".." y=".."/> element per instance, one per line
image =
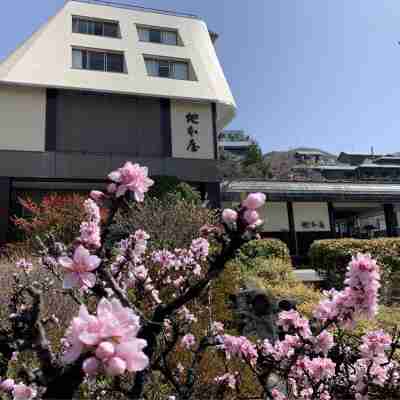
<point x="192" y="130"/>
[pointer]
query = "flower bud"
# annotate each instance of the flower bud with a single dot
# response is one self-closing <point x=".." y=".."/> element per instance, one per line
<point x="105" y="350"/>
<point x="23" y="392"/>
<point x="91" y="366"/>
<point x="254" y="201"/>
<point x="97" y="196"/>
<point x="115" y="366"/>
<point x="229" y="216"/>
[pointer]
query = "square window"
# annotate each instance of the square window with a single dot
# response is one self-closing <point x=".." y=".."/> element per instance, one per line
<point x="111" y="29"/>
<point x="164" y="68"/>
<point x="155" y="36"/>
<point x="77" y="59"/>
<point x="96" y="61"/>
<point x="115" y="62"/>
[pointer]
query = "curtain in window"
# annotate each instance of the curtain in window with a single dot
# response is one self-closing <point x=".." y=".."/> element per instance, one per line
<point x="152" y="67"/>
<point x="181" y="71"/>
<point x="144" y="34"/>
<point x="77" y="58"/>
<point x="169" y="37"/>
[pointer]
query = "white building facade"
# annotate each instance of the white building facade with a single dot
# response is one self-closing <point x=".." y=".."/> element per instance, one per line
<point x="101" y="83"/>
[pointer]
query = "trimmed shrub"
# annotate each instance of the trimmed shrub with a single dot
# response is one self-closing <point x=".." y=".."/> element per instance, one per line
<point x="263" y="248"/>
<point x="330" y="258"/>
<point x="270" y="270"/>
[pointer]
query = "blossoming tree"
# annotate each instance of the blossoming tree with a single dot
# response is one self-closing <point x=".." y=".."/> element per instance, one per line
<point x="135" y="311"/>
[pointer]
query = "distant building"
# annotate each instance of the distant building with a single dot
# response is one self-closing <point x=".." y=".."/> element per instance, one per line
<point x="235" y="143"/>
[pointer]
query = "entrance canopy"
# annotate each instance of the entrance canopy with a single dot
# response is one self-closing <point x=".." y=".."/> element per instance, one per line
<point x="314" y="191"/>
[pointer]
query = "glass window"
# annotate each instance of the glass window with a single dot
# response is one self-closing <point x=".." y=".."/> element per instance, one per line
<point x="164" y="69"/>
<point x="115" y="62"/>
<point x="152" y="67"/>
<point x="144" y="34"/>
<point x="96" y="61"/>
<point x="155" y="36"/>
<point x="181" y="70"/>
<point x="75" y="25"/>
<point x="169" y="37"/>
<point x="111" y="29"/>
<point x="98" y="28"/>
<point x="77" y="60"/>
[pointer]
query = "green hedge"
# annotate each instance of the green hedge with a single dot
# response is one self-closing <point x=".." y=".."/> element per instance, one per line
<point x="265" y="248"/>
<point x="330" y="257"/>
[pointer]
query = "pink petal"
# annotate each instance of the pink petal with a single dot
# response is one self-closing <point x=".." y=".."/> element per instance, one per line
<point x="80" y="255"/>
<point x="92" y="263"/>
<point x="137" y="362"/>
<point x="139" y="196"/>
<point x="115" y="176"/>
<point x="90" y="339"/>
<point x="88" y="279"/>
<point x="72" y="353"/>
<point x="71" y="280"/>
<point x="66" y="262"/>
<point x="104" y="308"/>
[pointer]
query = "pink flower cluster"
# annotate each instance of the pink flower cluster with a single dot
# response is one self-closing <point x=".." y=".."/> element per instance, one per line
<point x="90" y="228"/>
<point x="130" y="178"/>
<point x="109" y="338"/>
<point x="291" y="320"/>
<point x="18" y="391"/>
<point x="78" y="270"/>
<point x="239" y="346"/>
<point x="373" y="363"/>
<point x="25" y="265"/>
<point x="359" y="298"/>
<point x="250" y="215"/>
<point x="188" y="341"/>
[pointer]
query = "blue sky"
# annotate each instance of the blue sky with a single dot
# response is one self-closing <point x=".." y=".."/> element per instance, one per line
<point x="317" y="73"/>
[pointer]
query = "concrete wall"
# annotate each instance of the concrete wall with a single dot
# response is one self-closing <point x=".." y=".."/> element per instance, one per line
<point x="310" y="212"/>
<point x="46" y="58"/>
<point x="22" y="118"/>
<point x="179" y="130"/>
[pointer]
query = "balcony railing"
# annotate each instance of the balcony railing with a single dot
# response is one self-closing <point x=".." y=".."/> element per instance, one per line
<point x="137" y="8"/>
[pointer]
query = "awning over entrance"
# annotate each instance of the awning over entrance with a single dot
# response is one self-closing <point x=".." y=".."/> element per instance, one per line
<point x="314" y="191"/>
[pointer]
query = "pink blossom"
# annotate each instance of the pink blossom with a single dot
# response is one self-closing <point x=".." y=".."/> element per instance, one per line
<point x="359" y="298"/>
<point x="97" y="196"/>
<point x="105" y="350"/>
<point x="115" y="366"/>
<point x="78" y="270"/>
<point x="90" y="228"/>
<point x="91" y="366"/>
<point x="252" y="218"/>
<point x="229" y="216"/>
<point x="374" y="344"/>
<point x="217" y="328"/>
<point x="7" y="385"/>
<point x="254" y="201"/>
<point x="186" y="315"/>
<point x="323" y="342"/>
<point x="291" y="320"/>
<point x="23" y="392"/>
<point x="319" y="368"/>
<point x="200" y="248"/>
<point x="133" y="178"/>
<point x="226" y="379"/>
<point x="188" y="341"/>
<point x="277" y="395"/>
<point x="239" y="346"/>
<point x="114" y="324"/>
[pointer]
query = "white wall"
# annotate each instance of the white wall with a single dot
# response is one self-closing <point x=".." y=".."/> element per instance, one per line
<point x="46" y="58"/>
<point x="311" y="212"/>
<point x="275" y="217"/>
<point x="179" y="130"/>
<point x="22" y="118"/>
